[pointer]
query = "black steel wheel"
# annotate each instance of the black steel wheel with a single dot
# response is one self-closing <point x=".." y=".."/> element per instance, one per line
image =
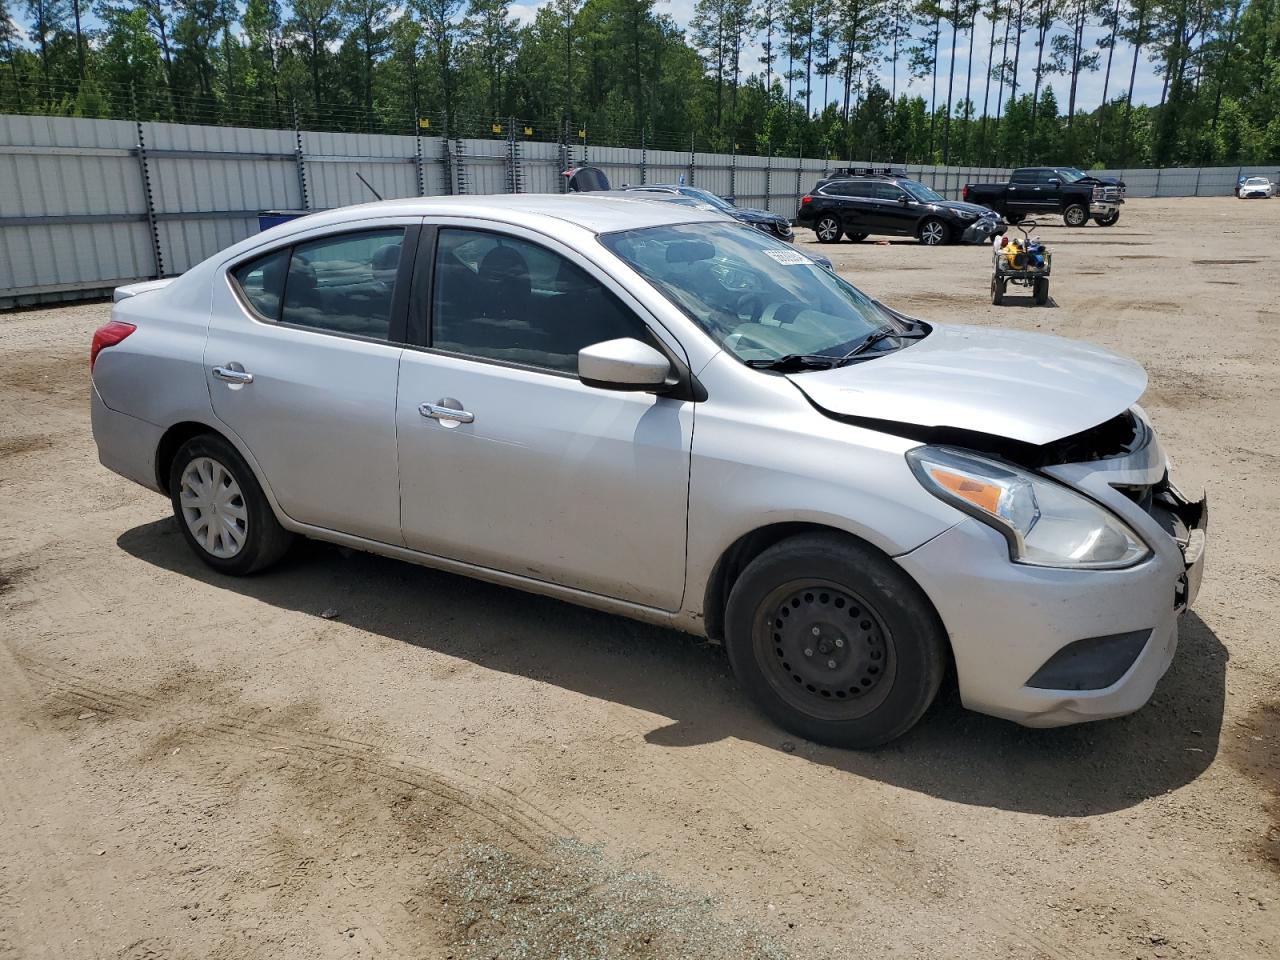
<point x="834" y="641"/>
<point x="828" y="229"/>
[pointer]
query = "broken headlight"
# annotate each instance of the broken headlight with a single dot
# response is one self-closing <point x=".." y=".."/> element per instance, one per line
<point x="1046" y="523"/>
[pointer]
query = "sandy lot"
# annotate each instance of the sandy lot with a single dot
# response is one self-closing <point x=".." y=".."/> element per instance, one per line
<point x="196" y="766"/>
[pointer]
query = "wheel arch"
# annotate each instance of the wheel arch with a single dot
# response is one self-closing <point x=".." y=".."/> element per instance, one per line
<point x="179" y="433"/>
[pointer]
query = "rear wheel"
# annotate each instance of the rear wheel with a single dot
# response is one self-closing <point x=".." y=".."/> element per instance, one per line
<point x="828" y="229"/>
<point x="1107" y="220"/>
<point x="1075" y="215"/>
<point x="997" y="289"/>
<point x="834" y="641"/>
<point x="221" y="509"/>
<point x="1040" y="292"/>
<point x="1014" y="217"/>
<point x="933" y="232"/>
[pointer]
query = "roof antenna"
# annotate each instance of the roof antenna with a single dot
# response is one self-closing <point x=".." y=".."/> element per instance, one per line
<point x="369" y="185"/>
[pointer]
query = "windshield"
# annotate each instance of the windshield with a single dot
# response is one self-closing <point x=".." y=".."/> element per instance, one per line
<point x="755" y="295"/>
<point x="707" y="197"/>
<point x="1070" y="174"/>
<point x="921" y="192"/>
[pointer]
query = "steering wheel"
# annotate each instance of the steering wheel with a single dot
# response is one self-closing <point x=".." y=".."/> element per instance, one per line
<point x="752" y="302"/>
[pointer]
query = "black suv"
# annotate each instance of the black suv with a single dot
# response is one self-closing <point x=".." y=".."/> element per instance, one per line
<point x="860" y="205"/>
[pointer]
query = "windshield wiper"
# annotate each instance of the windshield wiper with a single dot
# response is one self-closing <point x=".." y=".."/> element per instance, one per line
<point x="795" y="361"/>
<point x="871" y="339"/>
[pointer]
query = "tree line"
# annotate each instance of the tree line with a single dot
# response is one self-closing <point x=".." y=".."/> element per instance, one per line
<point x="825" y="78"/>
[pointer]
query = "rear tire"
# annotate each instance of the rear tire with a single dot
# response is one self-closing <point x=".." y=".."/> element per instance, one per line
<point x="221" y="509"/>
<point x="1014" y="218"/>
<point x="834" y="641"/>
<point x="828" y="229"/>
<point x="1075" y="215"/>
<point x="1109" y="220"/>
<point x="997" y="289"/>
<point x="933" y="232"/>
<point x="1040" y="292"/>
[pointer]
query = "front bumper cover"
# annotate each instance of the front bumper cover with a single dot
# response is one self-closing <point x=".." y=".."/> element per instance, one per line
<point x="983" y="229"/>
<point x="1006" y="621"/>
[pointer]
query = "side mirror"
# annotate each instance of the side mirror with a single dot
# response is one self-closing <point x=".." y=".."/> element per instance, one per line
<point x="904" y="199"/>
<point x="624" y="364"/>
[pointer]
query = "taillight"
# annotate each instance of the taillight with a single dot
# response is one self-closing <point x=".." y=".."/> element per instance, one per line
<point x="965" y="193"/>
<point x="806" y="199"/>
<point x="108" y="335"/>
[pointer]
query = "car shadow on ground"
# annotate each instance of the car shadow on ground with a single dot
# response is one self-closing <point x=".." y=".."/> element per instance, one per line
<point x="952" y="754"/>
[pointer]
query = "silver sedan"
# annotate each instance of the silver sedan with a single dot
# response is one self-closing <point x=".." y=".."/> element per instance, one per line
<point x="648" y="410"/>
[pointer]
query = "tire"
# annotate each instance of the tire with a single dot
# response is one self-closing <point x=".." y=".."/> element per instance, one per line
<point x="1109" y="220"/>
<point x="1014" y="218"/>
<point x="933" y="232"/>
<point x="872" y="621"/>
<point x="248" y="537"/>
<point x="1040" y="292"/>
<point x="997" y="289"/>
<point x="857" y="237"/>
<point x="828" y="229"/>
<point x="1075" y="215"/>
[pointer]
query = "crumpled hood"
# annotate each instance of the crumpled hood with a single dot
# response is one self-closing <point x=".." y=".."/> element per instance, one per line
<point x="1025" y="386"/>
<point x="963" y="207"/>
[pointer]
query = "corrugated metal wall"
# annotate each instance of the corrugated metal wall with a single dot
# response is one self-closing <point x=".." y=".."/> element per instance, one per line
<point x="86" y="205"/>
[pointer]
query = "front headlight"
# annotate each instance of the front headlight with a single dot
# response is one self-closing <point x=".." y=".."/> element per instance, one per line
<point x="966" y="215"/>
<point x="1046" y="523"/>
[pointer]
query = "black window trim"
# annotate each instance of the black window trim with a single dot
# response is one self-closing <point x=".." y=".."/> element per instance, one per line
<point x="685" y="387"/>
<point x="396" y="331"/>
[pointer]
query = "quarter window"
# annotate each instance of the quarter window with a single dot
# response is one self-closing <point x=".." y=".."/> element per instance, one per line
<point x="501" y="298"/>
<point x="262" y="282"/>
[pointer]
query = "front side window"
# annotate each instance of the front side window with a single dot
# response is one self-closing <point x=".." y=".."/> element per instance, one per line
<point x="501" y="298"/>
<point x="755" y="295"/>
<point x="344" y="284"/>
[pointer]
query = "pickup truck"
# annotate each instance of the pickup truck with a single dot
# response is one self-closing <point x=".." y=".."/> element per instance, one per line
<point x="1072" y="193"/>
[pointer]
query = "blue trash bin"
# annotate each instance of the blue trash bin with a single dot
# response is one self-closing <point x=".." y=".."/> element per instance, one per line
<point x="273" y="218"/>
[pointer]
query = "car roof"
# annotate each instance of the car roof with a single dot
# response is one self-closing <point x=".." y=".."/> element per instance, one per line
<point x="599" y="214"/>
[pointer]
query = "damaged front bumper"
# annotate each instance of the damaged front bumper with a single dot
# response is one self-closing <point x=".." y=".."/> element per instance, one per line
<point x="982" y="230"/>
<point x="1046" y="646"/>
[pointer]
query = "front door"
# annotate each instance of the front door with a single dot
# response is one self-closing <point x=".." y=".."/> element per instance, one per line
<point x="537" y="474"/>
<point x="301" y="362"/>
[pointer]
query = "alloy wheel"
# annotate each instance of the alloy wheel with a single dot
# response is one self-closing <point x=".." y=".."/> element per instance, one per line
<point x="214" y="508"/>
<point x="932" y="233"/>
<point x="827" y="230"/>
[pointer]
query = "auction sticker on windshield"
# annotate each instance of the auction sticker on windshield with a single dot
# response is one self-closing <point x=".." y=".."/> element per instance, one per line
<point x="789" y="258"/>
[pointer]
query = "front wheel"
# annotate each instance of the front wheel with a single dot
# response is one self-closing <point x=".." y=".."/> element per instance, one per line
<point x="1075" y="215"/>
<point x="222" y="512"/>
<point x="827" y="229"/>
<point x="1108" y="219"/>
<point x="933" y="232"/>
<point x="997" y="289"/>
<point x="1014" y="218"/>
<point x="857" y="237"/>
<point x="834" y="641"/>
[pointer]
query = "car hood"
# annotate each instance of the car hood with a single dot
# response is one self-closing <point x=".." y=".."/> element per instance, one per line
<point x="751" y="215"/>
<point x="962" y="207"/>
<point x="1024" y="386"/>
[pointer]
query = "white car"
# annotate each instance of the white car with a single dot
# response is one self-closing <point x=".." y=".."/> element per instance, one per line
<point x="648" y="409"/>
<point x="1255" y="188"/>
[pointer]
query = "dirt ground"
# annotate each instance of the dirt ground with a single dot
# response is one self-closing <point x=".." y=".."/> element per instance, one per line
<point x="193" y="766"/>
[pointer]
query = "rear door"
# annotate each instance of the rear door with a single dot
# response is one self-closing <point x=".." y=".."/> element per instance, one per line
<point x="301" y="362"/>
<point x="1023" y="192"/>
<point x="539" y="475"/>
<point x="851" y="202"/>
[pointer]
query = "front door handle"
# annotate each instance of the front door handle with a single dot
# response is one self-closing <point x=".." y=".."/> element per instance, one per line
<point x="230" y="375"/>
<point x="447" y="410"/>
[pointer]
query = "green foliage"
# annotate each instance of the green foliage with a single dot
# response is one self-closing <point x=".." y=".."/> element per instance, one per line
<point x="827" y="81"/>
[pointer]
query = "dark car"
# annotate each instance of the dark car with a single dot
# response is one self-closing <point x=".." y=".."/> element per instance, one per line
<point x="1072" y="193"/>
<point x="859" y="206"/>
<point x="772" y="223"/>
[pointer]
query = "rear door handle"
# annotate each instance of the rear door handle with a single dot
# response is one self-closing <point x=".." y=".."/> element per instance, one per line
<point x="447" y="410"/>
<point x="230" y="375"/>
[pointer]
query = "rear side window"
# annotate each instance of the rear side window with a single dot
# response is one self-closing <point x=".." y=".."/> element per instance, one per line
<point x="344" y="284"/>
<point x="1024" y="176"/>
<point x="262" y="282"/>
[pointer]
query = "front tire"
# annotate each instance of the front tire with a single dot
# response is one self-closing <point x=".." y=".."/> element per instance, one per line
<point x="857" y="237"/>
<point x="997" y="289"/>
<point x="221" y="509"/>
<point x="828" y="229"/>
<point x="1040" y="291"/>
<point x="834" y="641"/>
<point x="1075" y="215"/>
<point x="933" y="232"/>
<point x="1014" y="218"/>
